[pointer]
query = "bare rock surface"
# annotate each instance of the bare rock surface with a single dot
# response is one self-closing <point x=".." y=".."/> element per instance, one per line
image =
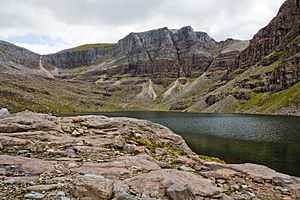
<point x="119" y="158"/>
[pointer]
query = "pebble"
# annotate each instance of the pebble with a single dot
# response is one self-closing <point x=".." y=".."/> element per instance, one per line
<point x="72" y="165"/>
<point x="3" y="112"/>
<point x="61" y="194"/>
<point x="244" y="187"/>
<point x="186" y="169"/>
<point x="221" y="181"/>
<point x="235" y="187"/>
<point x="70" y="151"/>
<point x="75" y="133"/>
<point x="9" y="181"/>
<point x="34" y="195"/>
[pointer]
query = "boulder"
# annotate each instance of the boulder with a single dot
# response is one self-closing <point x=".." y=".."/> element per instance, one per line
<point x="177" y="184"/>
<point x="3" y="112"/>
<point x="90" y="186"/>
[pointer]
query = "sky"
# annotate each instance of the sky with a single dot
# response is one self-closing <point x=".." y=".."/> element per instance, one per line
<point x="48" y="26"/>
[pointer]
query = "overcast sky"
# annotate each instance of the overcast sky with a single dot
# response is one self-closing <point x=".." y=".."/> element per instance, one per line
<point x="46" y="26"/>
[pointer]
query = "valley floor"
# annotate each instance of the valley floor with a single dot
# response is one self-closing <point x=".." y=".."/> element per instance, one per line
<point x="19" y="93"/>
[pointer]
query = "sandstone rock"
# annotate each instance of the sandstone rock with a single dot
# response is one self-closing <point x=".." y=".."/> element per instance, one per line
<point x="28" y="166"/>
<point x="180" y="192"/>
<point x="185" y="184"/>
<point x="93" y="187"/>
<point x="59" y="161"/>
<point x="123" y="166"/>
<point x="43" y="188"/>
<point x="26" y="121"/>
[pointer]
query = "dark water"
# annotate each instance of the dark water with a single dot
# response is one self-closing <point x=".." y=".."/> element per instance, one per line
<point x="273" y="141"/>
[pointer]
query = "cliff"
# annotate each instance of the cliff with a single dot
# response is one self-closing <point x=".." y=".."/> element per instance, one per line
<point x="277" y="44"/>
<point x="14" y="59"/>
<point x="95" y="157"/>
<point x="157" y="53"/>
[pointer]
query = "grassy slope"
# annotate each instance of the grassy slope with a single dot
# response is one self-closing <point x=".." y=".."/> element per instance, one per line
<point x="38" y="94"/>
<point x="19" y="93"/>
<point x="88" y="46"/>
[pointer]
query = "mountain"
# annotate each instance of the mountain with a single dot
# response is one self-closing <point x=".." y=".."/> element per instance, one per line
<point x="266" y="75"/>
<point x="277" y="44"/>
<point x="156" y="53"/>
<point x="165" y="69"/>
<point x="19" y="60"/>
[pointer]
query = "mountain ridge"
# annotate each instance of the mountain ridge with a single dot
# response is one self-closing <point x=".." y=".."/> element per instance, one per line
<point x="260" y="76"/>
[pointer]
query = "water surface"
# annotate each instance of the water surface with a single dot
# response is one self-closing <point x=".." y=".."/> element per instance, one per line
<point x="273" y="141"/>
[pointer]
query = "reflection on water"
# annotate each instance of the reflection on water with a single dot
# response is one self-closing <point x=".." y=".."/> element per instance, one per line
<point x="269" y="140"/>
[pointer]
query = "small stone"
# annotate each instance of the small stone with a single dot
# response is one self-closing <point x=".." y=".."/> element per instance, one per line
<point x="129" y="148"/>
<point x="71" y="151"/>
<point x="251" y="194"/>
<point x="81" y="131"/>
<point x="235" y="187"/>
<point x="61" y="194"/>
<point x="34" y="195"/>
<point x="64" y="198"/>
<point x="3" y="112"/>
<point x="221" y="181"/>
<point x="119" y="142"/>
<point x="9" y="181"/>
<point x="186" y="169"/>
<point x="244" y="187"/>
<point x="161" y="151"/>
<point x="257" y="180"/>
<point x="72" y="165"/>
<point x="77" y="119"/>
<point x="75" y="133"/>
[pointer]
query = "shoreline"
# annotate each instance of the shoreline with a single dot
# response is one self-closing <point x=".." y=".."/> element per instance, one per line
<point x="107" y="158"/>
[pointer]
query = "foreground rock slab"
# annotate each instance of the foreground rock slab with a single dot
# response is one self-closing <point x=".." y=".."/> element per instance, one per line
<point x="96" y="157"/>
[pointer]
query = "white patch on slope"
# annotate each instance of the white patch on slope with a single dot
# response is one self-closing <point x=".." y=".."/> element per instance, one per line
<point x="191" y="87"/>
<point x="43" y="72"/>
<point x="174" y="89"/>
<point x="147" y="91"/>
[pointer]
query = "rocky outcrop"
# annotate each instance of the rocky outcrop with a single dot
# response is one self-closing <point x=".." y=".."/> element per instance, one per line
<point x="95" y="157"/>
<point x="277" y="42"/>
<point x="271" y="36"/>
<point x="12" y="55"/>
<point x="17" y="60"/>
<point x="164" y="52"/>
<point x="77" y="58"/>
<point x="157" y="53"/>
<point x="229" y="50"/>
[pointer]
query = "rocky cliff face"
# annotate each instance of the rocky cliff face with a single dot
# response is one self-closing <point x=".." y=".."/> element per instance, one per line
<point x="277" y="45"/>
<point x="164" y="51"/>
<point x="157" y="53"/>
<point x="14" y="59"/>
<point x="228" y="52"/>
<point x="77" y="58"/>
<point x="273" y="35"/>
<point x="12" y="55"/>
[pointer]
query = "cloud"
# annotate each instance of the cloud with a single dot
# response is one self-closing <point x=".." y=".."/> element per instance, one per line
<point x="67" y="23"/>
